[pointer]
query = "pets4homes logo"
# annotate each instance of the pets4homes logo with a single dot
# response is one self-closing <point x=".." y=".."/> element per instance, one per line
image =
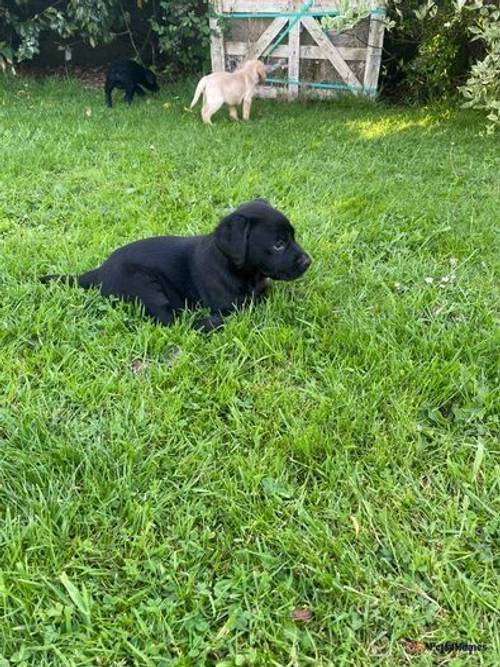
<point x="413" y="646"/>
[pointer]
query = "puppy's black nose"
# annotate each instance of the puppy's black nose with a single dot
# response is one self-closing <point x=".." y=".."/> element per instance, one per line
<point x="304" y="261"/>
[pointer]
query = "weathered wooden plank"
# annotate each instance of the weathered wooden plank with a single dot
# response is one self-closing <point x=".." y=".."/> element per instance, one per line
<point x="307" y="51"/>
<point x="266" y="38"/>
<point x="346" y="52"/>
<point x="317" y="93"/>
<point x="231" y="6"/>
<point x="332" y="5"/>
<point x="331" y="52"/>
<point x="294" y="60"/>
<point x="216" y="42"/>
<point x="374" y="54"/>
<point x="272" y="92"/>
<point x="216" y="47"/>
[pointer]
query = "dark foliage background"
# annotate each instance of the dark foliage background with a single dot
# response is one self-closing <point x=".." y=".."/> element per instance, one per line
<point x="172" y="35"/>
<point x="428" y="52"/>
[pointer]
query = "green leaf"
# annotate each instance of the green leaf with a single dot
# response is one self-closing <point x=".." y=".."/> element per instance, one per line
<point x="80" y="601"/>
<point x="272" y="487"/>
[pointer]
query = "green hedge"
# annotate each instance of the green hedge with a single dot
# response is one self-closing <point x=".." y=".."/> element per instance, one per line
<point x="173" y="34"/>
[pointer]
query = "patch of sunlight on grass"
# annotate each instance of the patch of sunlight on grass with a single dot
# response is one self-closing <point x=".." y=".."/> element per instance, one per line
<point x="372" y="129"/>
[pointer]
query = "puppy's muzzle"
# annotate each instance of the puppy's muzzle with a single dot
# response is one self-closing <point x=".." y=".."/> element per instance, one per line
<point x="304" y="262"/>
<point x="300" y="265"/>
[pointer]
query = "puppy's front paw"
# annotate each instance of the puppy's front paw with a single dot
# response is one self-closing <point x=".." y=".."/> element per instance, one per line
<point x="208" y="324"/>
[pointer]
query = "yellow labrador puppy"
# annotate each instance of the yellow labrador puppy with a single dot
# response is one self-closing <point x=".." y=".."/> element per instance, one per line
<point x="231" y="88"/>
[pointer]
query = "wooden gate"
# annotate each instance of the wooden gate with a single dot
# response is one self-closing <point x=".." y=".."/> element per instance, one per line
<point x="288" y="34"/>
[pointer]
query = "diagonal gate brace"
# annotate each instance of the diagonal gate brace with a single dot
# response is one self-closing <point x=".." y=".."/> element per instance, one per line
<point x="332" y="53"/>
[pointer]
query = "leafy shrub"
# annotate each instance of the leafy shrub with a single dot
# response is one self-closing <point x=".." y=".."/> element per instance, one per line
<point x="183" y="34"/>
<point x="428" y="52"/>
<point x="482" y="89"/>
<point x="22" y="23"/>
<point x="176" y="31"/>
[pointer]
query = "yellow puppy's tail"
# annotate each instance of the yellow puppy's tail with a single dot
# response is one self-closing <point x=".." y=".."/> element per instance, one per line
<point x="199" y="89"/>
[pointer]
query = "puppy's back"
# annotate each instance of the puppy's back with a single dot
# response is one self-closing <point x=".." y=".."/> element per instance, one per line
<point x="123" y="70"/>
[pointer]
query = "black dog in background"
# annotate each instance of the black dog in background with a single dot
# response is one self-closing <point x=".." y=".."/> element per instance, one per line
<point x="130" y="76"/>
<point x="221" y="270"/>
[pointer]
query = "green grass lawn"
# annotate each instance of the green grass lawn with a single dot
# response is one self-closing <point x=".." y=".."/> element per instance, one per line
<point x="169" y="498"/>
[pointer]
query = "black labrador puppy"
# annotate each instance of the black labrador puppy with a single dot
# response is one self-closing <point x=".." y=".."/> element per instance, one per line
<point x="130" y="76"/>
<point x="220" y="271"/>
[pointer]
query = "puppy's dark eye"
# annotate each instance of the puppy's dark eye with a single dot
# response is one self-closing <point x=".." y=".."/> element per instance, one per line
<point x="279" y="246"/>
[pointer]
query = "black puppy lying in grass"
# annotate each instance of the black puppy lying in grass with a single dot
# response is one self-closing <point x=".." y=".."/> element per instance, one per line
<point x="129" y="75"/>
<point x="221" y="270"/>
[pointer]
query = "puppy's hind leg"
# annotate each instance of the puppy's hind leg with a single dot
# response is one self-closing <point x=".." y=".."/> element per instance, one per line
<point x="129" y="92"/>
<point x="212" y="102"/>
<point x="146" y="290"/>
<point x="207" y="112"/>
<point x="233" y="113"/>
<point x="108" y="90"/>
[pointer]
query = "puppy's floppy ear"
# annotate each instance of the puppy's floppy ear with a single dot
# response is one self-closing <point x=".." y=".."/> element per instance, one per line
<point x="231" y="237"/>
